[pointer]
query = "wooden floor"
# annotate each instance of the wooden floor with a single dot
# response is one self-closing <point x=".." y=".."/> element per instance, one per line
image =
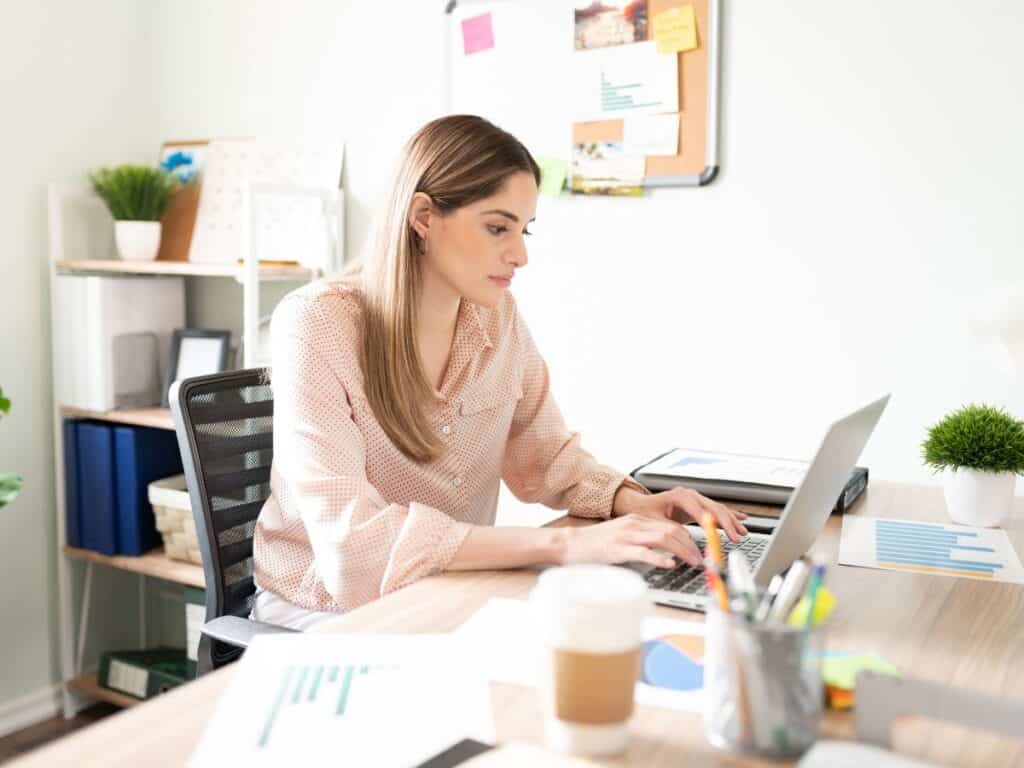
<point x="18" y="743"/>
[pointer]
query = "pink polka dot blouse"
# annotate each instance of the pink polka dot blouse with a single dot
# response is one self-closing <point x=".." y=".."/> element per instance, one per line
<point x="350" y="518"/>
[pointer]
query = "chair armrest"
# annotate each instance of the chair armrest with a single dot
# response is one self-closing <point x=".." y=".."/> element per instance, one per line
<point x="239" y="632"/>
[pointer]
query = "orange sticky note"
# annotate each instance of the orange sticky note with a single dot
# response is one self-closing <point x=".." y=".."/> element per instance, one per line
<point x="675" y="29"/>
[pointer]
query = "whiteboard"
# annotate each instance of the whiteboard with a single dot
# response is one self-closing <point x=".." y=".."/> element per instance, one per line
<point x="522" y="83"/>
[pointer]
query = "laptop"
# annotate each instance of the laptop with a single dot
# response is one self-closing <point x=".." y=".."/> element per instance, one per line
<point x="801" y="522"/>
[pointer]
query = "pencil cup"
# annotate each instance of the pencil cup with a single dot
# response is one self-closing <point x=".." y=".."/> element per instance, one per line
<point x="762" y="685"/>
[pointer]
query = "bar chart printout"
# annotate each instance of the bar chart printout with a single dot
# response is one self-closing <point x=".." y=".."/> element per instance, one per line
<point x="339" y="700"/>
<point x="932" y="548"/>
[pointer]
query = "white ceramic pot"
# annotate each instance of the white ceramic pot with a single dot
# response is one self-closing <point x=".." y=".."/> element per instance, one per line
<point x="979" y="498"/>
<point x="137" y="240"/>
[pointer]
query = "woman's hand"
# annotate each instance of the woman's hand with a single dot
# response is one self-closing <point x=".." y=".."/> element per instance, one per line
<point x="677" y="504"/>
<point x="645" y="528"/>
<point x="632" y="538"/>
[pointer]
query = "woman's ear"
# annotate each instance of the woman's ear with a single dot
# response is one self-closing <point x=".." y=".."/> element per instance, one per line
<point x="421" y="212"/>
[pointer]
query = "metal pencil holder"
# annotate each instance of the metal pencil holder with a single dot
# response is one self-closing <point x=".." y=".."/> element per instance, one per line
<point x="762" y="685"/>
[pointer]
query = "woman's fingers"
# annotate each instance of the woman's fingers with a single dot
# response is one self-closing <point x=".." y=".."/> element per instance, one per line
<point x="636" y="553"/>
<point x="669" y="536"/>
<point x="695" y="505"/>
<point x="727" y="518"/>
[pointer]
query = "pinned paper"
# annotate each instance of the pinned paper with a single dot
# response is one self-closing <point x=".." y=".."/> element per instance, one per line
<point x="623" y="80"/>
<point x="477" y="34"/>
<point x="675" y="29"/>
<point x="651" y="134"/>
<point x="552" y="174"/>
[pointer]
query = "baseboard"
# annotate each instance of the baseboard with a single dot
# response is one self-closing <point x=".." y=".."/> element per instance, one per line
<point x="30" y="709"/>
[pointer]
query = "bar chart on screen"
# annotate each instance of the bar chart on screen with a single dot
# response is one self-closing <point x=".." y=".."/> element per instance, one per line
<point x="942" y="550"/>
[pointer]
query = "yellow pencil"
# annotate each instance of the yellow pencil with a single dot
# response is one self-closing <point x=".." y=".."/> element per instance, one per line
<point x="714" y="546"/>
<point x="716" y="584"/>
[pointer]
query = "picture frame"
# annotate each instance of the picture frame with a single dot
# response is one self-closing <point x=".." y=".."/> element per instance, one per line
<point x="196" y="352"/>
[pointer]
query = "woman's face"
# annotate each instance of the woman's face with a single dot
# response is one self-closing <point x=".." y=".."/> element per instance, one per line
<point x="475" y="250"/>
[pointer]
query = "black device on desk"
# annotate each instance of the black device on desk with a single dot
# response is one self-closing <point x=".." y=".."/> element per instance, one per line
<point x="727" y="489"/>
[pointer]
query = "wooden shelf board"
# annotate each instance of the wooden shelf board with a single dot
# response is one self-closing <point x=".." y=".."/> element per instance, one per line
<point x="155" y="563"/>
<point x="88" y="685"/>
<point x="181" y="268"/>
<point x="141" y="417"/>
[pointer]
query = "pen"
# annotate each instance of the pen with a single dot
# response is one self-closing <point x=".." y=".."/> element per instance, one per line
<point x="792" y="588"/>
<point x="766" y="602"/>
<point x="713" y="548"/>
<point x="741" y="582"/>
<point x="812" y="591"/>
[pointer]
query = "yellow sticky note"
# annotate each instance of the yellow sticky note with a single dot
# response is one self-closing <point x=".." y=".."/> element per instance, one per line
<point x="552" y="174"/>
<point x="675" y="29"/>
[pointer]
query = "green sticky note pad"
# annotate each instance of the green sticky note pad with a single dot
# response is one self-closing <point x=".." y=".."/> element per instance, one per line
<point x="841" y="671"/>
<point x="552" y="175"/>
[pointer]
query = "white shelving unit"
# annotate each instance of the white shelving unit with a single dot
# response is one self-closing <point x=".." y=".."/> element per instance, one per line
<point x="81" y="687"/>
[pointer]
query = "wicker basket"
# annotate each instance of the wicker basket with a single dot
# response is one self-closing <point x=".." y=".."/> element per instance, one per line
<point x="169" y="498"/>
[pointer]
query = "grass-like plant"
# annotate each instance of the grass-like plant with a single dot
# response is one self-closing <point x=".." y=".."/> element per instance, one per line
<point x="979" y="437"/>
<point x="134" y="192"/>
<point x="10" y="484"/>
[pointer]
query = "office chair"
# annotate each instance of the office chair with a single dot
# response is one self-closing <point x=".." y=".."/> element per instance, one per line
<point x="224" y="424"/>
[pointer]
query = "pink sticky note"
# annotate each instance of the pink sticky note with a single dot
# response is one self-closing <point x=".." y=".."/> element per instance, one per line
<point x="477" y="34"/>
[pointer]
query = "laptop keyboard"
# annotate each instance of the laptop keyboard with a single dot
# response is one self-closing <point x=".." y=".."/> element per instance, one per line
<point x="690" y="580"/>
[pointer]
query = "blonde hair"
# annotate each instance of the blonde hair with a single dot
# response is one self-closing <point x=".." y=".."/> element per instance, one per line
<point x="454" y="160"/>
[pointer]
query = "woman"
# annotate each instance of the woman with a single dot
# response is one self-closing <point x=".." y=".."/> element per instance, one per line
<point x="406" y="390"/>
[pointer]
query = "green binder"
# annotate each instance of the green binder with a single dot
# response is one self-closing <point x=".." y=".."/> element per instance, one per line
<point x="143" y="674"/>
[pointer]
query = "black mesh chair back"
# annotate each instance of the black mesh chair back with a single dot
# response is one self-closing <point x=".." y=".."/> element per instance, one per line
<point x="224" y="424"/>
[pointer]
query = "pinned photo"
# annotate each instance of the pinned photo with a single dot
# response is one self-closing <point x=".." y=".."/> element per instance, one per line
<point x="605" y="168"/>
<point x="612" y="22"/>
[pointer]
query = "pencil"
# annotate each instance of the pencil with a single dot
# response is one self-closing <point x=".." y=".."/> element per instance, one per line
<point x="716" y="585"/>
<point x="713" y="547"/>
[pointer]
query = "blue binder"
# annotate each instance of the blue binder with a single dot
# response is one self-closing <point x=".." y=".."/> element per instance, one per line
<point x="97" y="490"/>
<point x="72" y="521"/>
<point x="141" y="455"/>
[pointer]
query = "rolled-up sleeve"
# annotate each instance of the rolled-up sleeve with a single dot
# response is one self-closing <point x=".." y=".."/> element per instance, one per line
<point x="545" y="462"/>
<point x="363" y="546"/>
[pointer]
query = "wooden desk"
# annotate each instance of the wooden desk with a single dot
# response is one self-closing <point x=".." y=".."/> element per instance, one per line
<point x="956" y="631"/>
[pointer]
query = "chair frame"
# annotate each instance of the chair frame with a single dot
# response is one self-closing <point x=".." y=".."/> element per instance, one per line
<point x="224" y="636"/>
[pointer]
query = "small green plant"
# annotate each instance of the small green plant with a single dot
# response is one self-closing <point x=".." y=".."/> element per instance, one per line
<point x="977" y="437"/>
<point x="134" y="192"/>
<point x="10" y="484"/>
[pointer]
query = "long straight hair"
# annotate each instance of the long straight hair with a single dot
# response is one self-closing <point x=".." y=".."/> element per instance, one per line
<point x="455" y="161"/>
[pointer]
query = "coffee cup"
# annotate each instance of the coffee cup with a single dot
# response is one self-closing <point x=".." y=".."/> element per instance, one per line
<point x="590" y="624"/>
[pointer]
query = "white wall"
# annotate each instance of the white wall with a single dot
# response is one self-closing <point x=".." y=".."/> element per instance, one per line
<point x="868" y="193"/>
<point x="74" y="79"/>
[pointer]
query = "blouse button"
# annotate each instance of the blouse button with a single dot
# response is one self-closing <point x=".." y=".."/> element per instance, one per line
<point x="446" y="430"/>
<point x="457" y="481"/>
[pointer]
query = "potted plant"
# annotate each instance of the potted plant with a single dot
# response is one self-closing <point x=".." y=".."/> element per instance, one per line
<point x="10" y="483"/>
<point x="980" y="449"/>
<point x="137" y="196"/>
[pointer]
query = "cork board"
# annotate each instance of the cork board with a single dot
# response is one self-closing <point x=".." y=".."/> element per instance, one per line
<point x="522" y="83"/>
